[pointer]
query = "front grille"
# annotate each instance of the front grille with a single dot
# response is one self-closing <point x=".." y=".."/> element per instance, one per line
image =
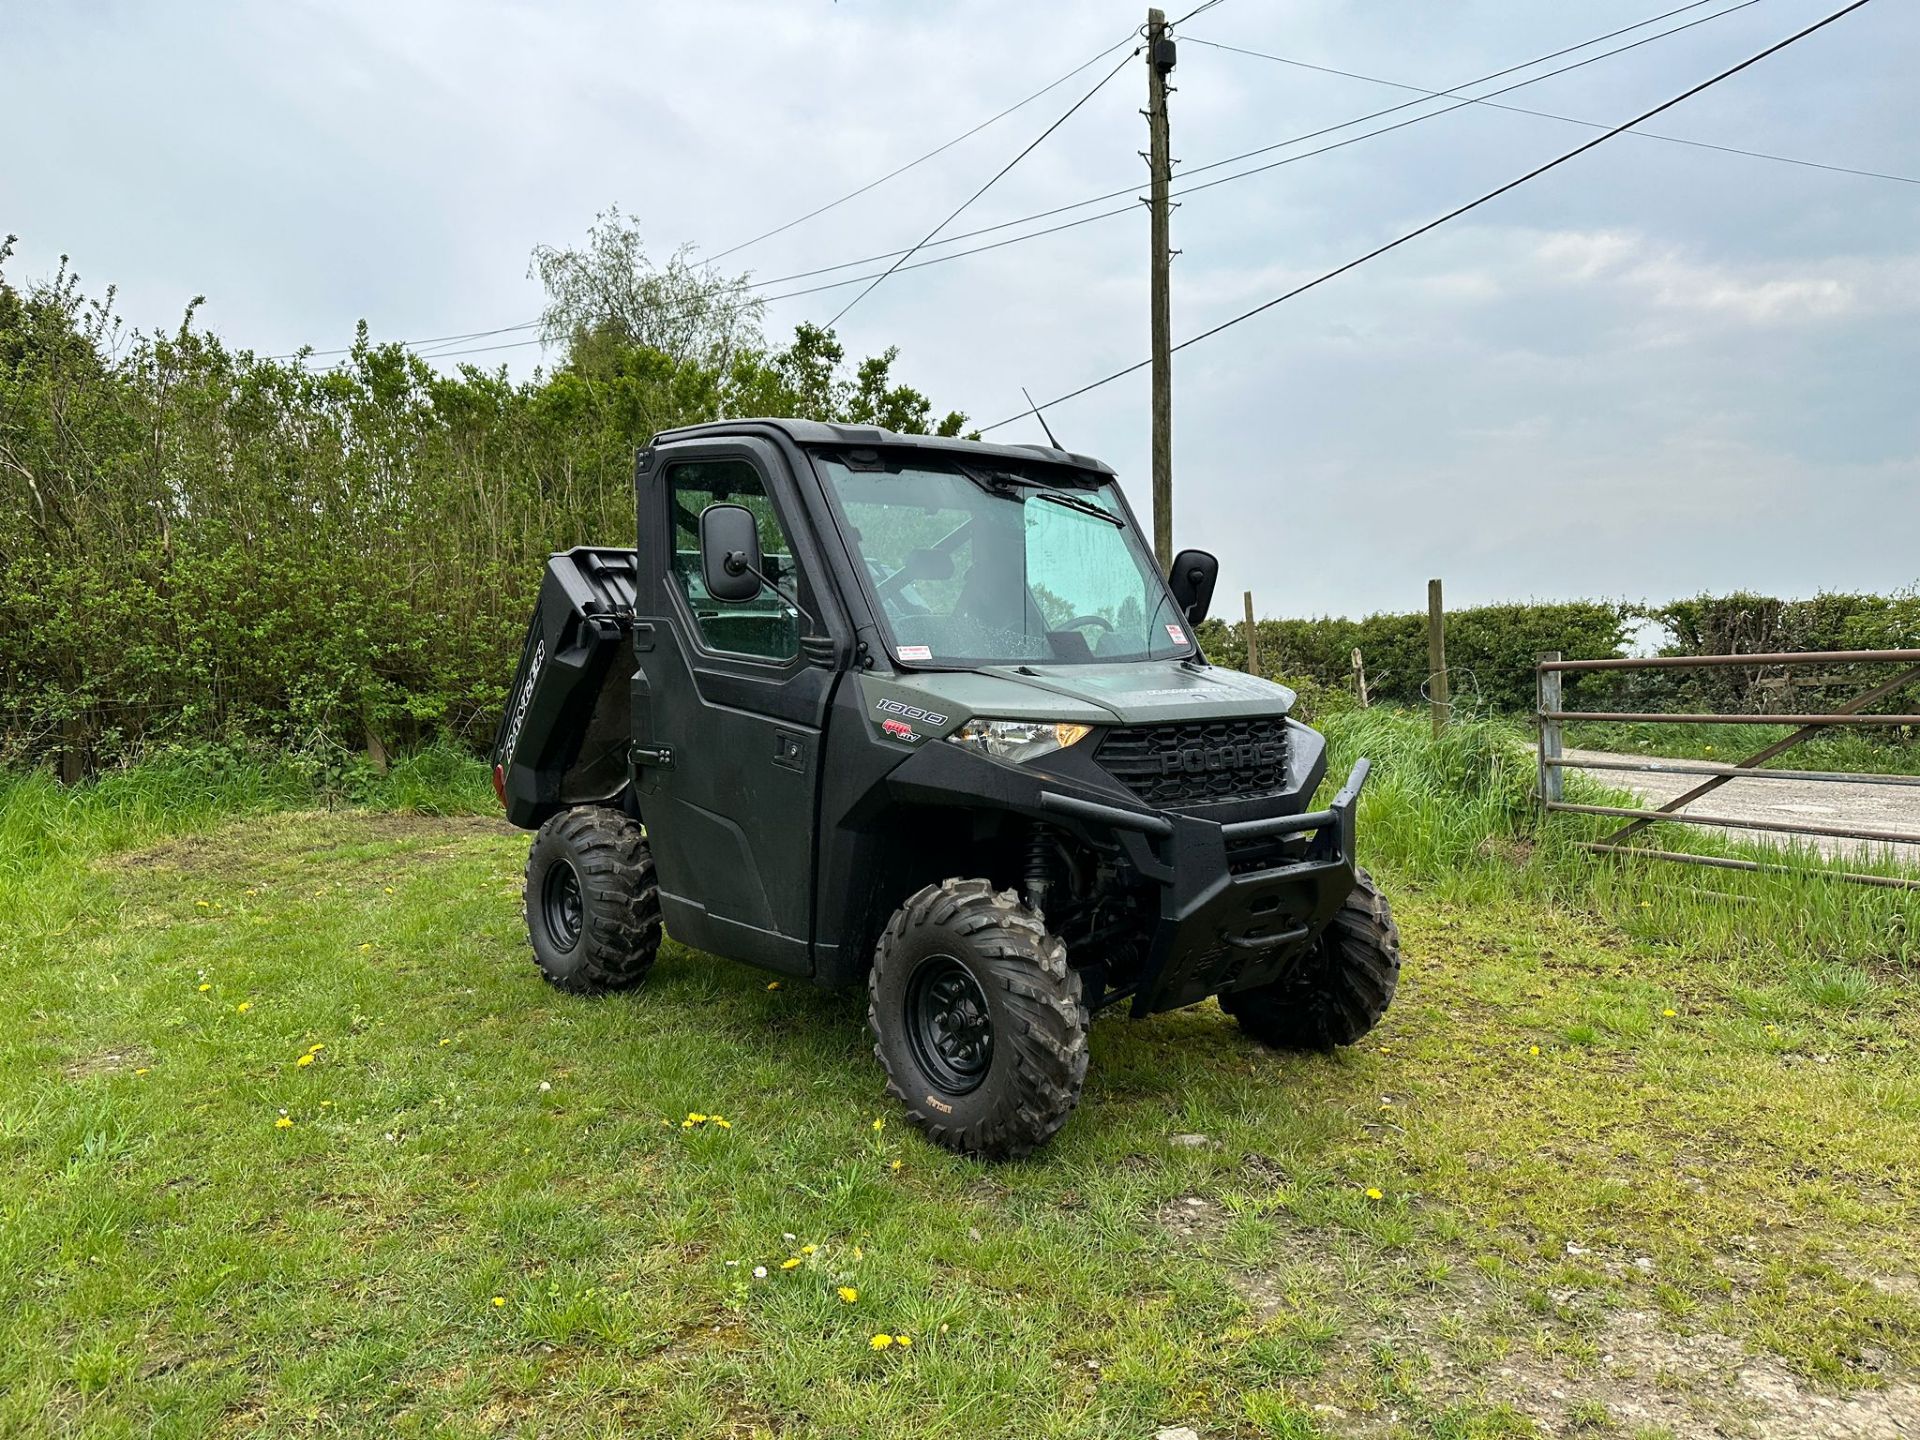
<point x="1175" y="766"/>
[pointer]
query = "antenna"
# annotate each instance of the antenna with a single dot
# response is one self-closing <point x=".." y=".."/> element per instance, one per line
<point x="1041" y="418"/>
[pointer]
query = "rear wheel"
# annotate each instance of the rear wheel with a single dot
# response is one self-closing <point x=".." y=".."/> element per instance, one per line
<point x="977" y="1020"/>
<point x="1338" y="990"/>
<point x="593" y="912"/>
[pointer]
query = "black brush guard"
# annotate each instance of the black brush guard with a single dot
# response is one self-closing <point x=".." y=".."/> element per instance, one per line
<point x="1224" y="927"/>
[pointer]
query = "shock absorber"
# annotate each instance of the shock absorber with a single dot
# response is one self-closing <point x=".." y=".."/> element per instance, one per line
<point x="1039" y="866"/>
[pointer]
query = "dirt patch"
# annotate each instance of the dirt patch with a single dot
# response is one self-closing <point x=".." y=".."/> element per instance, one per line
<point x="1565" y="1372"/>
<point x="322" y="832"/>
<point x="107" y="1062"/>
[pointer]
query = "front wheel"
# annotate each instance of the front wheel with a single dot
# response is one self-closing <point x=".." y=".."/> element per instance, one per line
<point x="1339" y="989"/>
<point x="977" y="1020"/>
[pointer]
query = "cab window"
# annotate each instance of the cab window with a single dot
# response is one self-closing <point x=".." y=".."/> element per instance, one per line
<point x="766" y="626"/>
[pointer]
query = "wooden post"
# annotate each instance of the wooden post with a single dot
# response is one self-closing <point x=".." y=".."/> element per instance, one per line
<point x="1160" y="54"/>
<point x="73" y="750"/>
<point x="1253" y="637"/>
<point x="1360" y="678"/>
<point x="1547" y="686"/>
<point x="1437" y="695"/>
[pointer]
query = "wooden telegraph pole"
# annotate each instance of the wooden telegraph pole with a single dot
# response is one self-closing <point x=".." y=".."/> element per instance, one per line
<point x="1160" y="60"/>
<point x="1437" y="689"/>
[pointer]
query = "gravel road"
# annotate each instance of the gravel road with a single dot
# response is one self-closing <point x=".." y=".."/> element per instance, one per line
<point x="1818" y="802"/>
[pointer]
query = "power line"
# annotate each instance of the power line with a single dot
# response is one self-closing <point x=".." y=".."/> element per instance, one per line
<point x="1033" y="145"/>
<point x="1129" y="190"/>
<point x="1550" y="115"/>
<point x="1126" y="39"/>
<point x="1258" y="169"/>
<point x="1453" y="214"/>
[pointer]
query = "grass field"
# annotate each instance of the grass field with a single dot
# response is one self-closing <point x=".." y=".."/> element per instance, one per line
<point x="293" y="1140"/>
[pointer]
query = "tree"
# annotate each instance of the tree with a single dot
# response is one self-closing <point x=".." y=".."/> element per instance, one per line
<point x="608" y="293"/>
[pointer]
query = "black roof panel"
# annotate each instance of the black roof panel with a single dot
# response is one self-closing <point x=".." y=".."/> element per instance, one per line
<point x="816" y="432"/>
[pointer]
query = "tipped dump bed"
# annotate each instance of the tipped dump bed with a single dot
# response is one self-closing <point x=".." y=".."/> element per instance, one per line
<point x="563" y="740"/>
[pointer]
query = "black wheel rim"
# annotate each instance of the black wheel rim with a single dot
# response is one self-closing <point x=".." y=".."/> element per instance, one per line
<point x="949" y="1025"/>
<point x="561" y="905"/>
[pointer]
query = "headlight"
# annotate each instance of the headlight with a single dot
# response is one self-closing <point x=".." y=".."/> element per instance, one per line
<point x="1018" y="740"/>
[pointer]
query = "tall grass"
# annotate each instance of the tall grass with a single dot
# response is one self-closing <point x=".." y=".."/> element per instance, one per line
<point x="1457" y="815"/>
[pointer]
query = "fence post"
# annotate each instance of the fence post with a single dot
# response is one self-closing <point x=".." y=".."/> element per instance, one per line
<point x="1547" y="684"/>
<point x="1360" y="678"/>
<point x="1437" y="657"/>
<point x="1253" y="637"/>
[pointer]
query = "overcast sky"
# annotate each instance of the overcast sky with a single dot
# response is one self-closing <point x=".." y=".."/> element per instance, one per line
<point x="1657" y="370"/>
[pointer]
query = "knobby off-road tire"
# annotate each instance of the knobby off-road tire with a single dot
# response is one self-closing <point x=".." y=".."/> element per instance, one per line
<point x="593" y="910"/>
<point x="1339" y="989"/>
<point x="977" y="1020"/>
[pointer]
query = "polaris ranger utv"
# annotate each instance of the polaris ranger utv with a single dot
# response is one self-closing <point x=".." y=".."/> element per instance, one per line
<point x="924" y="713"/>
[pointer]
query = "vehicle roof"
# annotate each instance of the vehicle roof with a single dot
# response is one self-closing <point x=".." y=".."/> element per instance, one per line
<point x="816" y="432"/>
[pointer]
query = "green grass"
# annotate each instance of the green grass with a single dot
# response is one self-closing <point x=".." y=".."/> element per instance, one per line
<point x="1554" y="1152"/>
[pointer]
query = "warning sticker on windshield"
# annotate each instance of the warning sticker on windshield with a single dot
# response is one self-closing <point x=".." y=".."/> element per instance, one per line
<point x="1176" y="634"/>
<point x="925" y="652"/>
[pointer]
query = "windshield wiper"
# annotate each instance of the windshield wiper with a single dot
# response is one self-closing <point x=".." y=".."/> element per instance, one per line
<point x="1000" y="483"/>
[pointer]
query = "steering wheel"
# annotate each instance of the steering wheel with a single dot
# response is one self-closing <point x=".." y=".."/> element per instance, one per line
<point x="1079" y="620"/>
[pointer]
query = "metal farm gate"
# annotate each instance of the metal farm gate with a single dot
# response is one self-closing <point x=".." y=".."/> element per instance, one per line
<point x="1854" y="712"/>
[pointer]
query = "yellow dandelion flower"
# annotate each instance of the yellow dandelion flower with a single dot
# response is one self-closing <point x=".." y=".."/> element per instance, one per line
<point x="808" y="1249"/>
<point x="446" y="1042"/>
<point x="773" y="985"/>
<point x="243" y="1007"/>
<point x="895" y="1165"/>
<point x="879" y="1122"/>
<point x="696" y="1119"/>
<point x="201" y="903"/>
<point x="723" y="1122"/>
<point x="1533" y="1050"/>
<point x="367" y="946"/>
<point x="1669" y="1012"/>
<point x="283" y="1123"/>
<point x="325" y="1103"/>
<point x="389" y="889"/>
<point x="315" y="1049"/>
<point x="1374" y="1194"/>
<point x="858" y="1253"/>
<point x="499" y="1302"/>
<point x="903" y="1341"/>
<point x="848" y="1294"/>
<point x="791" y="1262"/>
<point x="204" y="987"/>
<point x="140" y="1069"/>
<point x="881" y="1342"/>
<point x="304" y="1060"/>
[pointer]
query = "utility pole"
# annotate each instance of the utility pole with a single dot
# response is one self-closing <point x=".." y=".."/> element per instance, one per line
<point x="1160" y="61"/>
<point x="1437" y="687"/>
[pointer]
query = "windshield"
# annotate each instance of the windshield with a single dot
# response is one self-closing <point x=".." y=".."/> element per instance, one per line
<point x="990" y="565"/>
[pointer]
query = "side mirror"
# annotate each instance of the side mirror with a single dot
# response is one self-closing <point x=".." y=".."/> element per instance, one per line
<point x="730" y="561"/>
<point x="1191" y="579"/>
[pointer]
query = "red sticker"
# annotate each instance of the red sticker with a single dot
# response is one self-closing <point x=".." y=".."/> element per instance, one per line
<point x="916" y="652"/>
<point x="1176" y="634"/>
<point x="899" y="729"/>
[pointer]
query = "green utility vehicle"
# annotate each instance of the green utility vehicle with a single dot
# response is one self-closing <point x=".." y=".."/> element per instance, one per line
<point x="924" y="713"/>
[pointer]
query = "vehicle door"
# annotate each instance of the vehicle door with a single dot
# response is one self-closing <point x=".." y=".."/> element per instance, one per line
<point x="729" y="708"/>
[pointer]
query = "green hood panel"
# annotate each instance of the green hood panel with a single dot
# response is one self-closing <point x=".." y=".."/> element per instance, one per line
<point x="1156" y="692"/>
<point x="1134" y="693"/>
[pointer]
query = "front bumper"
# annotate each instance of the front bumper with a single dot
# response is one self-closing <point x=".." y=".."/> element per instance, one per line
<point x="1228" y="924"/>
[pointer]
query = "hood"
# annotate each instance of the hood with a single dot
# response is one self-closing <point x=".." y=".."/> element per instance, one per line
<point x="1131" y="693"/>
